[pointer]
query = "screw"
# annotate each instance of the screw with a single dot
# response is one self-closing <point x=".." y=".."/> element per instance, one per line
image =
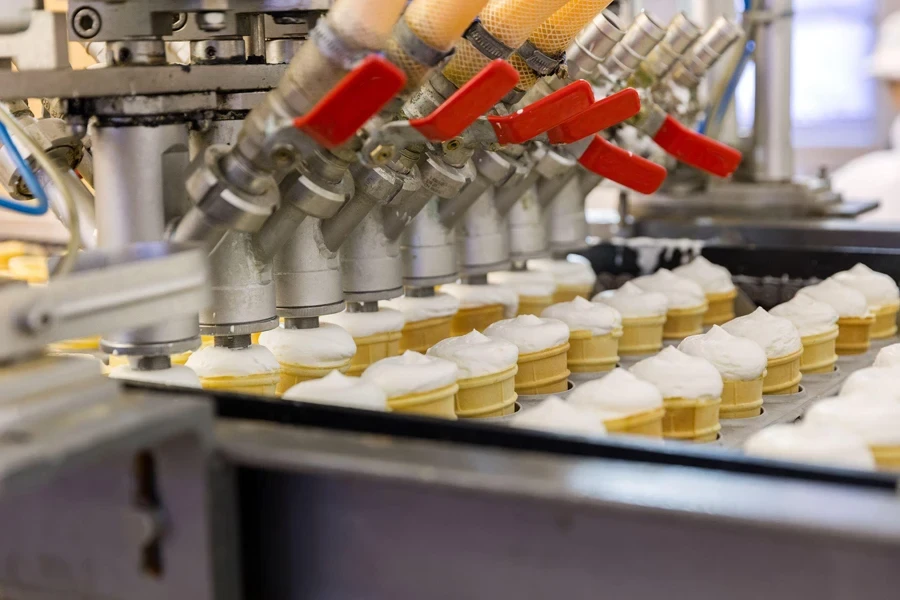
<point x="452" y="145"/>
<point x="179" y="20"/>
<point x="38" y="320"/>
<point x="283" y="155"/>
<point x="211" y="21"/>
<point x="381" y="154"/>
<point x="86" y="22"/>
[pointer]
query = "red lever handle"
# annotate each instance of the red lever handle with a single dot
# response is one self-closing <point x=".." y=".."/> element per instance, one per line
<point x="603" y="114"/>
<point x="696" y="149"/>
<point x="352" y="102"/>
<point x="623" y="167"/>
<point x="543" y="115"/>
<point x="469" y="102"/>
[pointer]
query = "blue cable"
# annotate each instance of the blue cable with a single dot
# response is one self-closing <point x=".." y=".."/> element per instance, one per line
<point x="730" y="89"/>
<point x="30" y="178"/>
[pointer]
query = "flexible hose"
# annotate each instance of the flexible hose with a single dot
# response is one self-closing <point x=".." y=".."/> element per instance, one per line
<point x="511" y="22"/>
<point x="439" y="24"/>
<point x="556" y="34"/>
<point x="65" y="264"/>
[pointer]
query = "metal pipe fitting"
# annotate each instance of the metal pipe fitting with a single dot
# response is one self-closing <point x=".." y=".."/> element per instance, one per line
<point x="135" y="168"/>
<point x="593" y="43"/>
<point x="640" y="39"/>
<point x="681" y="33"/>
<point x="706" y="51"/>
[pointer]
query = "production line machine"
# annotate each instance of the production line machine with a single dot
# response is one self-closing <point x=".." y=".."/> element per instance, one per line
<point x="315" y="157"/>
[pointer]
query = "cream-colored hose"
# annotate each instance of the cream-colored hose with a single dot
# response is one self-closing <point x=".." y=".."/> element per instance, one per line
<point x="438" y="23"/>
<point x="510" y="21"/>
<point x="364" y="23"/>
<point x="361" y="25"/>
<point x="557" y="33"/>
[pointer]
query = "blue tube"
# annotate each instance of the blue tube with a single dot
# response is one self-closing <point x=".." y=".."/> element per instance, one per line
<point x="730" y="89"/>
<point x="30" y="178"/>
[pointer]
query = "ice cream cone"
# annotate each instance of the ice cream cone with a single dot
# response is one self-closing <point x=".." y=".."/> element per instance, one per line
<point x="567" y="293"/>
<point x="478" y="318"/>
<point x="543" y="372"/>
<point x="12" y="249"/>
<point x="534" y="305"/>
<point x="721" y="308"/>
<point x="643" y="335"/>
<point x="590" y="353"/>
<point x="264" y="384"/>
<point x="32" y="269"/>
<point x="818" y="353"/>
<point x="886" y="457"/>
<point x="291" y="375"/>
<point x="885" y="321"/>
<point x="422" y="335"/>
<point x="683" y="322"/>
<point x="254" y="337"/>
<point x="783" y="375"/>
<point x="854" y="335"/>
<point x="88" y="344"/>
<point x="436" y="403"/>
<point x="487" y="396"/>
<point x="742" y="399"/>
<point x="692" y="419"/>
<point x="648" y="423"/>
<point x="371" y="349"/>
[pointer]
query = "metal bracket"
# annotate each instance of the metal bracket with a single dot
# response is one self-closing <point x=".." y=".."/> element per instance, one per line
<point x="127" y="289"/>
<point x="41" y="47"/>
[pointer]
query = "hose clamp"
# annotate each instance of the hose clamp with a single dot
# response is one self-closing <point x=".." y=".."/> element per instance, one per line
<point x="485" y="42"/>
<point x="334" y="48"/>
<point x="416" y="48"/>
<point x="542" y="64"/>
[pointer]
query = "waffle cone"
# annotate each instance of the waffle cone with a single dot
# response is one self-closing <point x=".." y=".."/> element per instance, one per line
<point x="854" y="335"/>
<point x="567" y="293"/>
<point x="372" y="348"/>
<point x="78" y="345"/>
<point x="721" y="308"/>
<point x="291" y="375"/>
<point x="28" y="268"/>
<point x="692" y="419"/>
<point x="12" y="249"/>
<point x="783" y="375"/>
<point x="648" y="423"/>
<point x="254" y="337"/>
<point x="742" y="399"/>
<point x="422" y="335"/>
<point x="543" y="372"/>
<point x="643" y="335"/>
<point x="589" y="353"/>
<point x="534" y="305"/>
<point x="478" y="318"/>
<point x="683" y="322"/>
<point x="487" y="396"/>
<point x="885" y="321"/>
<point x="436" y="403"/>
<point x="886" y="457"/>
<point x="818" y="353"/>
<point x="264" y="384"/>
